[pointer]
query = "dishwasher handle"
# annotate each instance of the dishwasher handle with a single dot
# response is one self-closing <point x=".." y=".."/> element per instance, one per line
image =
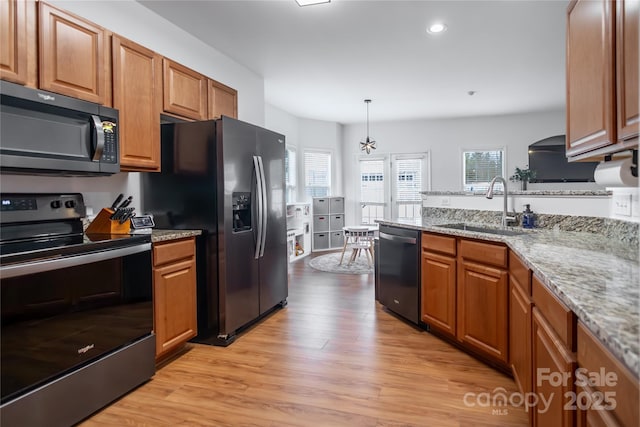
<point x="400" y="239"/>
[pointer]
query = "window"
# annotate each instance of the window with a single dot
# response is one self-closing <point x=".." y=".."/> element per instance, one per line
<point x="290" y="172"/>
<point x="317" y="173"/>
<point x="408" y="183"/>
<point x="391" y="188"/>
<point x="479" y="168"/>
<point x="372" y="190"/>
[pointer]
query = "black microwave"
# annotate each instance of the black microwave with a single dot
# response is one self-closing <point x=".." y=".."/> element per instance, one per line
<point x="46" y="133"/>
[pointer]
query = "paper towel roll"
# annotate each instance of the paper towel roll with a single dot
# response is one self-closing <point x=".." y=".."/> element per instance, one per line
<point x="615" y="173"/>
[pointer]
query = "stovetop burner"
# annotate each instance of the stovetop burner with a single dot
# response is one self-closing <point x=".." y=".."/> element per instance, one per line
<point x="38" y="226"/>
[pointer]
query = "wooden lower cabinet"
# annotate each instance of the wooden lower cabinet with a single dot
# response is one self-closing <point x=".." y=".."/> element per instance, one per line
<point x="174" y="294"/>
<point x="438" y="293"/>
<point x="520" y="307"/>
<point x="482" y="321"/>
<point x="553" y="380"/>
<point x="613" y="393"/>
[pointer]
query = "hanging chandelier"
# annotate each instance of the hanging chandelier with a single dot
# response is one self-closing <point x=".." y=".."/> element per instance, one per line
<point x="368" y="144"/>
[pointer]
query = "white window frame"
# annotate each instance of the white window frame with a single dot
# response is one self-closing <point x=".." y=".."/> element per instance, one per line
<point x="387" y="174"/>
<point x="463" y="166"/>
<point x="426" y="177"/>
<point x="390" y="208"/>
<point x="291" y="187"/>
<point x="304" y="168"/>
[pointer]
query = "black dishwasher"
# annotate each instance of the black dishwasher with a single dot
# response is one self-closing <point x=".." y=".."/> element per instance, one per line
<point x="399" y="271"/>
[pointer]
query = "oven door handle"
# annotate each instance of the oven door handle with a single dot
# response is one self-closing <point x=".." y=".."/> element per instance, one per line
<point x="39" y="266"/>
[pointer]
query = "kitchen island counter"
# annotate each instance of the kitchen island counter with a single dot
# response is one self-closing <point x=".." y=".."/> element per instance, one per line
<point x="595" y="276"/>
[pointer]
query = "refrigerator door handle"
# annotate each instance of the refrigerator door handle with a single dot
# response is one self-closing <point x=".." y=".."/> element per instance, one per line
<point x="264" y="207"/>
<point x="259" y="197"/>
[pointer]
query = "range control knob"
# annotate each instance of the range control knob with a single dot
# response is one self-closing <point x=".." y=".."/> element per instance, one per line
<point x="70" y="204"/>
<point x="55" y="204"/>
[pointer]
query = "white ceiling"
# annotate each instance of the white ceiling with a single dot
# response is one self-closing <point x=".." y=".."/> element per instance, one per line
<point x="322" y="61"/>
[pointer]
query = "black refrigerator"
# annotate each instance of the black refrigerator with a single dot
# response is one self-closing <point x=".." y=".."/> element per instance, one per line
<point x="226" y="178"/>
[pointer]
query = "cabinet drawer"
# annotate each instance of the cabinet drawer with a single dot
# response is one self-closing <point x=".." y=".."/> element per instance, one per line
<point x="485" y="253"/>
<point x="172" y="251"/>
<point x="520" y="272"/>
<point x="321" y="222"/>
<point x="437" y="243"/>
<point x="596" y="359"/>
<point x="557" y="314"/>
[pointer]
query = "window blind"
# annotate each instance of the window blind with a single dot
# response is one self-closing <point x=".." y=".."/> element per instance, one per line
<point x="372" y="181"/>
<point x="408" y="180"/>
<point x="317" y="174"/>
<point x="480" y="167"/>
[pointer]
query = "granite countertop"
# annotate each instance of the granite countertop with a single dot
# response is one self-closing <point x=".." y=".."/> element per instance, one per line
<point x="595" y="276"/>
<point x="563" y="193"/>
<point x="165" y="235"/>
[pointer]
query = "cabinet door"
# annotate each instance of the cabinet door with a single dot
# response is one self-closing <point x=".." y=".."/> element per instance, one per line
<point x="482" y="309"/>
<point x="137" y="94"/>
<point x="587" y="415"/>
<point x="72" y="55"/>
<point x="520" y="336"/>
<point x="628" y="15"/>
<point x="185" y="91"/>
<point x="438" y="297"/>
<point x="15" y="21"/>
<point x="174" y="301"/>
<point x="591" y="121"/>
<point x="223" y="101"/>
<point x="553" y="368"/>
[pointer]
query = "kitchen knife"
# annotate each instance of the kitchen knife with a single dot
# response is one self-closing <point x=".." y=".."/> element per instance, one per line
<point x="115" y="203"/>
<point x="126" y="202"/>
<point x="127" y="215"/>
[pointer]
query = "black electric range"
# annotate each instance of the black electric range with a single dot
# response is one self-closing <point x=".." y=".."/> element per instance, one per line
<point x="76" y="310"/>
<point x="37" y="226"/>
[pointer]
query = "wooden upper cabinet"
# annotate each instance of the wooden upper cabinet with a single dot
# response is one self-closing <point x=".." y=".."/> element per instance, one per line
<point x="185" y="91"/>
<point x="223" y="100"/>
<point x="590" y="76"/>
<point x="137" y="94"/>
<point x="72" y="56"/>
<point x="627" y="18"/>
<point x="18" y="56"/>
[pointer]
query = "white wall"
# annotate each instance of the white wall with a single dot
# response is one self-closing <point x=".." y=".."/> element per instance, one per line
<point x="445" y="139"/>
<point x="135" y="22"/>
<point x="306" y="134"/>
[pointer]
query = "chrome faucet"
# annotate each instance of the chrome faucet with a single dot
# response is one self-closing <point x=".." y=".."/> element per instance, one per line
<point x="505" y="219"/>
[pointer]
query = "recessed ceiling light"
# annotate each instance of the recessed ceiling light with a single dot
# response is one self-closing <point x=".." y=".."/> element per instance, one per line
<point x="436" y="28"/>
<point x="311" y="2"/>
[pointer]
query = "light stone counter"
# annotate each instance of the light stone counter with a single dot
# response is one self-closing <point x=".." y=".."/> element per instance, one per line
<point x="596" y="276"/>
<point x="165" y="235"/>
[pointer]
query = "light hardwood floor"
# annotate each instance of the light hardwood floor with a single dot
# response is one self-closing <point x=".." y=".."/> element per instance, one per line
<point x="332" y="357"/>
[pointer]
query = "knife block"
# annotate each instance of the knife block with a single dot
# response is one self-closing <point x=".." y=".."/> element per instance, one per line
<point x="103" y="224"/>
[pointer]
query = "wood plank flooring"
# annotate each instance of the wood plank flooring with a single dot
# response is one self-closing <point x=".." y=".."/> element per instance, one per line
<point x="332" y="357"/>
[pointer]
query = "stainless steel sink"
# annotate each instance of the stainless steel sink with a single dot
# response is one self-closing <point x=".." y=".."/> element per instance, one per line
<point x="468" y="227"/>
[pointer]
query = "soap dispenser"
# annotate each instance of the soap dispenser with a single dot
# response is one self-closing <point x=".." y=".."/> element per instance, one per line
<point x="527" y="217"/>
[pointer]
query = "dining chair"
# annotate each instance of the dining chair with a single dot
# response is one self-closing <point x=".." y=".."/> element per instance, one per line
<point x="358" y="239"/>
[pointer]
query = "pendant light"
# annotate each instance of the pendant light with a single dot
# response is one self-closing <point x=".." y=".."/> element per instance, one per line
<point x="368" y="144"/>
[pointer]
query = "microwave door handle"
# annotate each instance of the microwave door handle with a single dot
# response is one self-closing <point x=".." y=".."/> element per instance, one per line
<point x="98" y="138"/>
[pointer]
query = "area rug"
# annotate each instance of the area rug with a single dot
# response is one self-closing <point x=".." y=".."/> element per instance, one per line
<point x="329" y="263"/>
